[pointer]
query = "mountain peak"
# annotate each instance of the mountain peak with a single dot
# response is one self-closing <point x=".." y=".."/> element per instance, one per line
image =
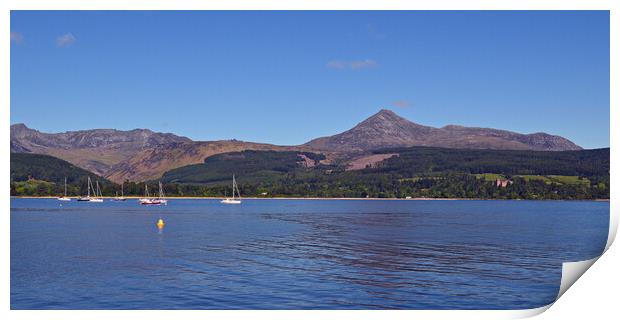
<point x="387" y="129"/>
<point x="19" y="126"/>
<point x="385" y="117"/>
<point x="20" y="130"/>
<point x="383" y="129"/>
<point x="115" y="145"/>
<point x="386" y="114"/>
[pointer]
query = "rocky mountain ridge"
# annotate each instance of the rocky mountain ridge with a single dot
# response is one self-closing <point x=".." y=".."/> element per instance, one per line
<point x="387" y="129"/>
<point x="142" y="154"/>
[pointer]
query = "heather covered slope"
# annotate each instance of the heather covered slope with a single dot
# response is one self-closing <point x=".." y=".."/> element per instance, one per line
<point x="387" y="129"/>
<point x="153" y="163"/>
<point x="142" y="154"/>
<point x="94" y="150"/>
<point x="135" y="155"/>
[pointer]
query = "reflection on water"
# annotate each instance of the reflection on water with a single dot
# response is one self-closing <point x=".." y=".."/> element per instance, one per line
<point x="295" y="254"/>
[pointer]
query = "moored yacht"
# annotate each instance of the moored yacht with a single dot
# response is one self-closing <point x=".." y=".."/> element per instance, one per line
<point x="98" y="196"/>
<point x="64" y="197"/>
<point x="233" y="200"/>
<point x="147" y="200"/>
<point x="97" y="193"/>
<point x="122" y="197"/>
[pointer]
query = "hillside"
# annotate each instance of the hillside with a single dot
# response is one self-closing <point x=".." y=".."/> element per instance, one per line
<point x="423" y="160"/>
<point x="36" y="170"/>
<point x="136" y="155"/>
<point x="153" y="163"/>
<point x="253" y="166"/>
<point x="414" y="171"/>
<point x="142" y="154"/>
<point x="387" y="129"/>
<point x="94" y="150"/>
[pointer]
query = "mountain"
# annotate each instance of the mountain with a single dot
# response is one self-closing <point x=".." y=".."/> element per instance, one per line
<point x="28" y="166"/>
<point x="94" y="150"/>
<point x="408" y="172"/>
<point x="135" y="155"/>
<point x="253" y="166"/>
<point x="42" y="175"/>
<point x="387" y="129"/>
<point x="411" y="161"/>
<point x="142" y="154"/>
<point x="151" y="163"/>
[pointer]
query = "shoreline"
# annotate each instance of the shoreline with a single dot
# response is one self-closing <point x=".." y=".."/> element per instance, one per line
<point x="318" y="198"/>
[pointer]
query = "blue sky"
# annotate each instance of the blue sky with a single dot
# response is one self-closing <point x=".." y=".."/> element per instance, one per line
<point x="287" y="77"/>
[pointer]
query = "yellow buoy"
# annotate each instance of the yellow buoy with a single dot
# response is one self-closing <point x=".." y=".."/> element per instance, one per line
<point x="160" y="223"/>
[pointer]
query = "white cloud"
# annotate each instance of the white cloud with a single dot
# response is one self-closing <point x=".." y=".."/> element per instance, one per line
<point x="374" y="33"/>
<point x="16" y="37"/>
<point x="65" y="40"/>
<point x="336" y="64"/>
<point x="401" y="103"/>
<point x="351" y="64"/>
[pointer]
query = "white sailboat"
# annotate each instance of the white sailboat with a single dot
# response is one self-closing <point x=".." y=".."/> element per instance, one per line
<point x="64" y="197"/>
<point x="161" y="195"/>
<point x="97" y="193"/>
<point x="233" y="200"/>
<point x="87" y="198"/>
<point x="147" y="200"/>
<point x="122" y="197"/>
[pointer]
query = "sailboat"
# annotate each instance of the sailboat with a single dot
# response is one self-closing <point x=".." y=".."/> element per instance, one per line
<point x="161" y="195"/>
<point x="147" y="200"/>
<point x="122" y="197"/>
<point x="64" y="197"/>
<point x="233" y="200"/>
<point x="87" y="198"/>
<point x="97" y="193"/>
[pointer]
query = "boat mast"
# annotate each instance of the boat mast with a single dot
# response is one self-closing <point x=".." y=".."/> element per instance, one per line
<point x="122" y="194"/>
<point x="88" y="187"/>
<point x="65" y="187"/>
<point x="234" y="183"/>
<point x="237" y="187"/>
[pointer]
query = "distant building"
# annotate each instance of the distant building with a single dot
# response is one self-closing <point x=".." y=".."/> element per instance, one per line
<point x="502" y="183"/>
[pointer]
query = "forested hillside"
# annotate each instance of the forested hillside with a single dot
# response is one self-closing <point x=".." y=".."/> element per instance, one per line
<point x="413" y="172"/>
<point x="37" y="174"/>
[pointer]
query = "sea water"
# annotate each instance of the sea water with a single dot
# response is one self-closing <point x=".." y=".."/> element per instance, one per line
<point x="298" y="254"/>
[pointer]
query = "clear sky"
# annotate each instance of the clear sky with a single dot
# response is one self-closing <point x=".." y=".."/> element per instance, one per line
<point x="287" y="77"/>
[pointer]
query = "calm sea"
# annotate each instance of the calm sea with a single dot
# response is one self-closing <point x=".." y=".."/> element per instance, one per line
<point x="298" y="254"/>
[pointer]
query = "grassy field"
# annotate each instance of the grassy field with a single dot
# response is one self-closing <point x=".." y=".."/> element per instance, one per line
<point x="569" y="180"/>
<point x="490" y="176"/>
<point x="574" y="180"/>
<point x="558" y="179"/>
<point x="530" y="177"/>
